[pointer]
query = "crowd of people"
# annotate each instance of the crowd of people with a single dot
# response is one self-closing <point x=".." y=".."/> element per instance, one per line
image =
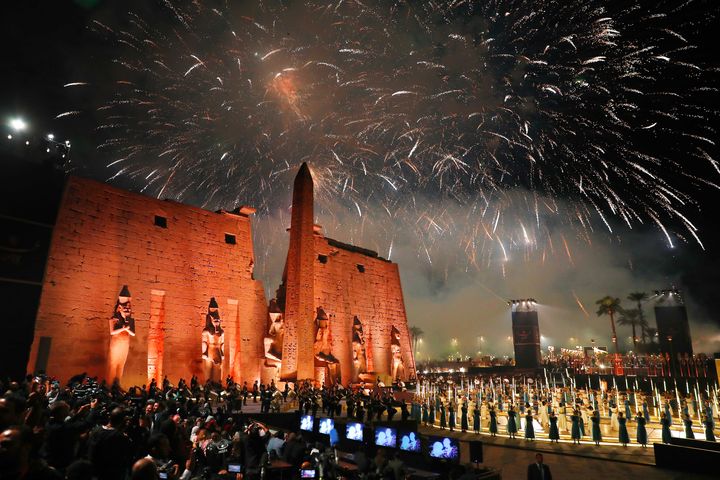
<point x="660" y="365"/>
<point x="578" y="362"/>
<point x="88" y="430"/>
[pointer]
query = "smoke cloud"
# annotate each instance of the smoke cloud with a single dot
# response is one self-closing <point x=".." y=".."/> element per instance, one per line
<point x="450" y="295"/>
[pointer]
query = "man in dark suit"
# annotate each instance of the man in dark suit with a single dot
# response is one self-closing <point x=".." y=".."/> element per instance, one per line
<point x="538" y="470"/>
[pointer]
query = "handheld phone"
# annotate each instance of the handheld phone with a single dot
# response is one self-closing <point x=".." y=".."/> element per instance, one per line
<point x="309" y="473"/>
<point x="234" y="468"/>
<point x="162" y="475"/>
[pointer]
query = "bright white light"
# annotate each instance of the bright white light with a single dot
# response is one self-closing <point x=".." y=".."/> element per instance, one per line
<point x="17" y="124"/>
<point x="27" y="142"/>
<point x="50" y="136"/>
<point x="9" y="137"/>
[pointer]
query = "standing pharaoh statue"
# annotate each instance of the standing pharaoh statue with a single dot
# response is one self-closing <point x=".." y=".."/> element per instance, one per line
<point x="122" y="327"/>
<point x="358" y="349"/>
<point x="397" y="365"/>
<point x="213" y="344"/>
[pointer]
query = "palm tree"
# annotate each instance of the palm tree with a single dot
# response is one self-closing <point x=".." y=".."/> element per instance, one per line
<point x="415" y="333"/>
<point x="632" y="318"/>
<point x="639" y="297"/>
<point x="610" y="306"/>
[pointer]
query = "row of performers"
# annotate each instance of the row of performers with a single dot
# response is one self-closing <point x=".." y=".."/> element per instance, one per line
<point x="598" y="401"/>
<point x="570" y="421"/>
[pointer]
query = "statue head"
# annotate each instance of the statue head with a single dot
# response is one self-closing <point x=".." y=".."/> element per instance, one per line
<point x="395" y="336"/>
<point x="212" y="323"/>
<point x="212" y="319"/>
<point x="358" y="336"/>
<point x="276" y="319"/>
<point x="123" y="307"/>
<point x="321" y="319"/>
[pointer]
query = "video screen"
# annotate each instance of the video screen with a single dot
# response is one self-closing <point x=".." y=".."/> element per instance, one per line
<point x="385" y="437"/>
<point x="234" y="468"/>
<point x="306" y="423"/>
<point x="307" y="473"/>
<point x="409" y="441"/>
<point x="443" y="447"/>
<point x="354" y="431"/>
<point x="326" y="424"/>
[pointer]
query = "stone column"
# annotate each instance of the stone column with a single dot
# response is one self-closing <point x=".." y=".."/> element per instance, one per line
<point x="231" y="364"/>
<point x="156" y="336"/>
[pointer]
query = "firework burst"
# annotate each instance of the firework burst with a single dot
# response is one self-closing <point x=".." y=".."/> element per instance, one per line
<point x="485" y="123"/>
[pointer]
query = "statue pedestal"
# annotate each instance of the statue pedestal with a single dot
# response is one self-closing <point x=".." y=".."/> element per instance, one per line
<point x="385" y="378"/>
<point x="268" y="373"/>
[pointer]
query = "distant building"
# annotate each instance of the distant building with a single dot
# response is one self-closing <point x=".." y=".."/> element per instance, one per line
<point x="673" y="327"/>
<point x="526" y="333"/>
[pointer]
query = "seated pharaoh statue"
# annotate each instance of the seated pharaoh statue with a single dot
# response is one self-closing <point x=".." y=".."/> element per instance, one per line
<point x="274" y="339"/>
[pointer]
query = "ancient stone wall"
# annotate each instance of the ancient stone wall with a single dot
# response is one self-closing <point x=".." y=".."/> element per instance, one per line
<point x="352" y="282"/>
<point x="105" y="238"/>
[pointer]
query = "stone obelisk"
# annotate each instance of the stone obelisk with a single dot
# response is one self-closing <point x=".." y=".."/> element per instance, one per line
<point x="297" y="356"/>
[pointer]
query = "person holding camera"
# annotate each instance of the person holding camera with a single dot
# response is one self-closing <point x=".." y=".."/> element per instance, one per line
<point x="62" y="433"/>
<point x="198" y="462"/>
<point x="254" y="445"/>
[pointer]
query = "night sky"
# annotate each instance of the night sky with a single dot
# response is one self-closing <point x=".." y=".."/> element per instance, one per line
<point x="478" y="147"/>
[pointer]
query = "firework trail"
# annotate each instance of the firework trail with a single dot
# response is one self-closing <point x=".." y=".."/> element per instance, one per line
<point x="580" y="304"/>
<point x="481" y="124"/>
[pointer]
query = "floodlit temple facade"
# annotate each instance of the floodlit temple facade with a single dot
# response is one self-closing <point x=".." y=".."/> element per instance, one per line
<point x="137" y="288"/>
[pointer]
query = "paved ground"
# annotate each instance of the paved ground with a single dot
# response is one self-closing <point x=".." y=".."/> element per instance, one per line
<point x="568" y="461"/>
<point x="514" y="462"/>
